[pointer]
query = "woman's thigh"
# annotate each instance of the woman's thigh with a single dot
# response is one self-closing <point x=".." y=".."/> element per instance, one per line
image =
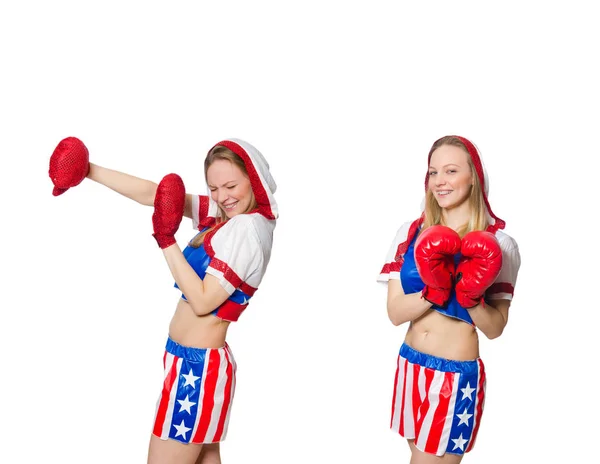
<point x="419" y="457"/>
<point x="210" y="454"/>
<point x="172" y="451"/>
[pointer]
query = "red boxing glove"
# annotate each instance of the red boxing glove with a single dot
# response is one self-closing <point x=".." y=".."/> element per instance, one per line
<point x="479" y="266"/>
<point x="169" y="204"/>
<point x="69" y="165"/>
<point x="434" y="256"/>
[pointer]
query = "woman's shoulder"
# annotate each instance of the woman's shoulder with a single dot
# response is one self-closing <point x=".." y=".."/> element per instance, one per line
<point x="403" y="230"/>
<point x="406" y="225"/>
<point x="407" y="232"/>
<point x="506" y="241"/>
<point x="251" y="221"/>
<point x="254" y="225"/>
<point x="404" y="234"/>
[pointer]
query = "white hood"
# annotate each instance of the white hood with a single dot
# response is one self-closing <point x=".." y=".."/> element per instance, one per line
<point x="262" y="183"/>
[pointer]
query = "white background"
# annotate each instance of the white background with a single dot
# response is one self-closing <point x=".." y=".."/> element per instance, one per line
<point x="344" y="99"/>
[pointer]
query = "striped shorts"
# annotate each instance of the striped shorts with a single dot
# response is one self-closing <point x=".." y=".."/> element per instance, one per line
<point x="438" y="402"/>
<point x="198" y="388"/>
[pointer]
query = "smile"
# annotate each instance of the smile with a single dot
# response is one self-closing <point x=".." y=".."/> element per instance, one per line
<point x="230" y="206"/>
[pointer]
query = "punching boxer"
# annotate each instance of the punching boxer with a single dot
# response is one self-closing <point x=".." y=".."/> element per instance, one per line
<point x="218" y="272"/>
<point x="450" y="272"/>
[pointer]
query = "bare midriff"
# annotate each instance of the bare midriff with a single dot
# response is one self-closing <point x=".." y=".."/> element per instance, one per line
<point x="189" y="329"/>
<point x="443" y="336"/>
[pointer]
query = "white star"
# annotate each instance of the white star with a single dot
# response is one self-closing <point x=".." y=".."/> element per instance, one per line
<point x="459" y="442"/>
<point x="467" y="391"/>
<point x="187" y="404"/>
<point x="181" y="430"/>
<point x="464" y="417"/>
<point x="190" y="379"/>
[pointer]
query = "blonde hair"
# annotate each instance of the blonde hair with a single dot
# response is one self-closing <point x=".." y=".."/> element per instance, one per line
<point x="220" y="152"/>
<point x="433" y="211"/>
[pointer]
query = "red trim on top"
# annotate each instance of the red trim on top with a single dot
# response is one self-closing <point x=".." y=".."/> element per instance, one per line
<point x="230" y="311"/>
<point x="395" y="266"/>
<point x="391" y="267"/>
<point x="412" y="231"/>
<point x="262" y="198"/>
<point x="501" y="287"/>
<point x="203" y="219"/>
<point x="208" y="239"/>
<point x="228" y="273"/>
<point x="223" y="267"/>
<point x="247" y="289"/>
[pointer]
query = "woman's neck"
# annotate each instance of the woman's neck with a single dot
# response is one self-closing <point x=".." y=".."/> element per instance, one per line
<point x="457" y="217"/>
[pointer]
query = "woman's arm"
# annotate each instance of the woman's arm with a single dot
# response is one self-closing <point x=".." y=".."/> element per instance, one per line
<point x="204" y="296"/>
<point x="491" y="318"/>
<point x="403" y="308"/>
<point x="140" y="190"/>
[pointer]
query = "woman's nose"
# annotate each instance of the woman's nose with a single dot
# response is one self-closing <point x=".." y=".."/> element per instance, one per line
<point x="222" y="195"/>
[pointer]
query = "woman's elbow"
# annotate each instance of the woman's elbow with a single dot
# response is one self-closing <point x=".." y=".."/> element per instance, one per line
<point x="494" y="332"/>
<point x="199" y="307"/>
<point x="149" y="194"/>
<point x="395" y="318"/>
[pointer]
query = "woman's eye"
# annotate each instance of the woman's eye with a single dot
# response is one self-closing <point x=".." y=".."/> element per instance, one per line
<point x="432" y="173"/>
<point x="231" y="187"/>
<point x="451" y="171"/>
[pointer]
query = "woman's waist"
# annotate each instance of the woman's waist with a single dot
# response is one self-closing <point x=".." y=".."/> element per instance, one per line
<point x="188" y="329"/>
<point x="442" y="336"/>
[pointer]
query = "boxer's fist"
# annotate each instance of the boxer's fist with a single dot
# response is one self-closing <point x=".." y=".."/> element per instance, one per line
<point x="434" y="256"/>
<point x="169" y="204"/>
<point x="69" y="165"/>
<point x="479" y="266"/>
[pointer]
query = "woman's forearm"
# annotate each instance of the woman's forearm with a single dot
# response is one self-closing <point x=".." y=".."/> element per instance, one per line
<point x="203" y="295"/>
<point x="490" y="319"/>
<point x="140" y="190"/>
<point x="404" y="308"/>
